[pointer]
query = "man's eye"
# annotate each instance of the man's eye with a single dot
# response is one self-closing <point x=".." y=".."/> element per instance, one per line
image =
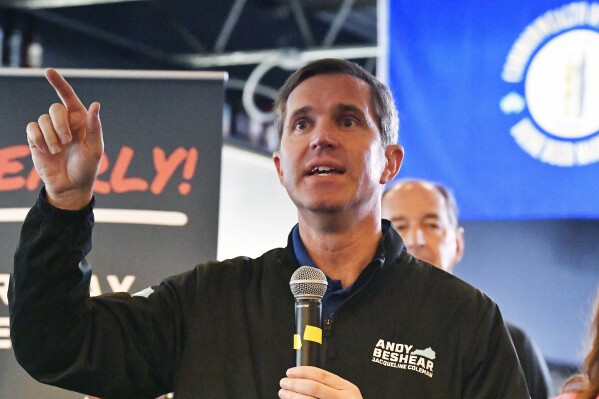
<point x="347" y="122"/>
<point x="301" y="125"/>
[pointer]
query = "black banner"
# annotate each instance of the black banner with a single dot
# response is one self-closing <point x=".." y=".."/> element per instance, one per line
<point x="157" y="194"/>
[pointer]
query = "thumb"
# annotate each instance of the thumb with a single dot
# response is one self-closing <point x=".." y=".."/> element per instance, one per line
<point x="93" y="124"/>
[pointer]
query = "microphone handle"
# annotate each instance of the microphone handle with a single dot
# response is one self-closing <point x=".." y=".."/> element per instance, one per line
<point x="307" y="341"/>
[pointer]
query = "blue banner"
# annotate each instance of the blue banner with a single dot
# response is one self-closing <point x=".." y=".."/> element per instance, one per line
<point x="500" y="101"/>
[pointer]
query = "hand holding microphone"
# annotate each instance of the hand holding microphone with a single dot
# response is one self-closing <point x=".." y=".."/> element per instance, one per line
<point x="308" y="285"/>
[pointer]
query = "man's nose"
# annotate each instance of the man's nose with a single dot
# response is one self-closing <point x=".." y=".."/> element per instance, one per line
<point x="414" y="238"/>
<point x="323" y="136"/>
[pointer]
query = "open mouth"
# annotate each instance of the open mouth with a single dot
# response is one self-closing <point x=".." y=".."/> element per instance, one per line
<point x="324" y="171"/>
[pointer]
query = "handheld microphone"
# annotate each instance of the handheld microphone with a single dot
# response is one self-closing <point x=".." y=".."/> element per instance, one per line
<point x="308" y="285"/>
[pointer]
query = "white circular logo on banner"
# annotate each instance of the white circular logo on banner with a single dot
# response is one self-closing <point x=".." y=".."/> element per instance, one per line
<point x="557" y="60"/>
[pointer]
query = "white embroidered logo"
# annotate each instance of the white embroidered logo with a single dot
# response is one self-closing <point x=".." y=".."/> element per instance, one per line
<point x="401" y="356"/>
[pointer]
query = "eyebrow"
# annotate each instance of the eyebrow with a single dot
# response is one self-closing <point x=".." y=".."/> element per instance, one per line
<point x="303" y="111"/>
<point x="342" y="108"/>
<point x="432" y="216"/>
<point x="403" y="218"/>
<point x="338" y="109"/>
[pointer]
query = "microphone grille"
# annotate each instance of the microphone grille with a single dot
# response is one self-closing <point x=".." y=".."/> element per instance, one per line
<point x="308" y="282"/>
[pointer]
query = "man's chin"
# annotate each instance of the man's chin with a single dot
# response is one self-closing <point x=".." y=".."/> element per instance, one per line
<point x="326" y="209"/>
<point x="325" y="205"/>
<point x="425" y="258"/>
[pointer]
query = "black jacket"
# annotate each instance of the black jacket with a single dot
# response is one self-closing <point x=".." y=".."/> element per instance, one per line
<point x="225" y="329"/>
<point x="536" y="373"/>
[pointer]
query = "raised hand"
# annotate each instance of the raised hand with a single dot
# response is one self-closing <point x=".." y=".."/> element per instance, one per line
<point x="311" y="382"/>
<point x="66" y="146"/>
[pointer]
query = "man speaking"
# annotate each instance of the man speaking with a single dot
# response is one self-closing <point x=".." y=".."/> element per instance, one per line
<point x="225" y="329"/>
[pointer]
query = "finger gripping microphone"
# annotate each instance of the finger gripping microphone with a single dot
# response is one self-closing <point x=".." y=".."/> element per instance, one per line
<point x="308" y="285"/>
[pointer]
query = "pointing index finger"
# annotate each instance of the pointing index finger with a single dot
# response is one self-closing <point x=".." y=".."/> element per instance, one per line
<point x="65" y="91"/>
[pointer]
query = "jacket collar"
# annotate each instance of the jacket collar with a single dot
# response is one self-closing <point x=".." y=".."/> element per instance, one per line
<point x="391" y="247"/>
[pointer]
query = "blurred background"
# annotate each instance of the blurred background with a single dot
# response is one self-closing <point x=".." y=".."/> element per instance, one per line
<point x="468" y="80"/>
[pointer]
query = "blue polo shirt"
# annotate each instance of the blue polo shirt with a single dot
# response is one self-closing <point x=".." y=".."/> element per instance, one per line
<point x="335" y="294"/>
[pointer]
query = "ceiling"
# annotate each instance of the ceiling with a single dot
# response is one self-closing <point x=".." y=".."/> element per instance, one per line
<point x="204" y="34"/>
<point x="258" y="42"/>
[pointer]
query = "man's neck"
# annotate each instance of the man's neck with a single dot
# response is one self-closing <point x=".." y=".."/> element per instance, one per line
<point x="342" y="253"/>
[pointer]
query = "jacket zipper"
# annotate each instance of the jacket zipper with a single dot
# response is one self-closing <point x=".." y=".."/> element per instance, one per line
<point x="328" y="323"/>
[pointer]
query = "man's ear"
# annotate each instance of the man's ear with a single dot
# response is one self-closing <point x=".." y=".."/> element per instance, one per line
<point x="459" y="249"/>
<point x="460" y="243"/>
<point x="394" y="157"/>
<point x="276" y="157"/>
